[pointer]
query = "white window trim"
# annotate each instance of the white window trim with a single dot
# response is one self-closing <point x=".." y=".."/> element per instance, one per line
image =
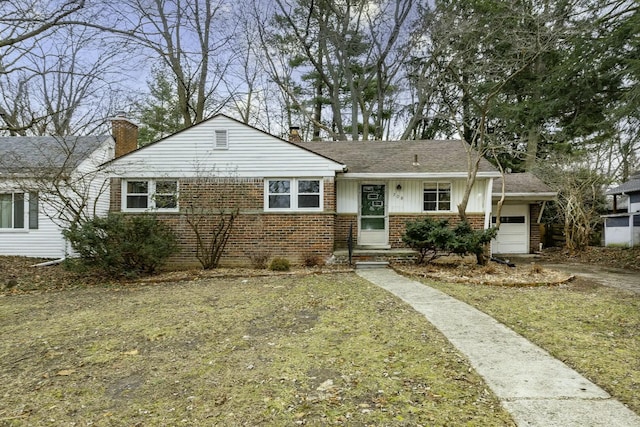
<point x="26" y="214"/>
<point x="220" y="144"/>
<point x="151" y="203"/>
<point x="293" y="195"/>
<point x="438" y="192"/>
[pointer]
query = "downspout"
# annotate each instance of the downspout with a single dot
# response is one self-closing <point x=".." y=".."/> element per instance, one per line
<point x="487" y="211"/>
<point x="488" y="204"/>
<point x="544" y="204"/>
<point x="48" y="263"/>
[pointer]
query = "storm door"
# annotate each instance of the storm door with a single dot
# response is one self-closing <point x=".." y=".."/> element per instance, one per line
<point x="373" y="215"/>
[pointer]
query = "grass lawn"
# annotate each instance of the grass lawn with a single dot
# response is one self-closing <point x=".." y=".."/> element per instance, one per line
<point x="326" y="349"/>
<point x="593" y="329"/>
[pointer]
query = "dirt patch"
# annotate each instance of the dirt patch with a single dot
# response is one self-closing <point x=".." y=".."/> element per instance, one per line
<point x="623" y="258"/>
<point x="466" y="270"/>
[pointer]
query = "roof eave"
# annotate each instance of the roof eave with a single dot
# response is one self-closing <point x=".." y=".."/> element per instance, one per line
<point x="415" y="175"/>
<point x="525" y="196"/>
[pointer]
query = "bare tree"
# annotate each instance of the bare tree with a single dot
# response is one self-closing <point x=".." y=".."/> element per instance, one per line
<point x="24" y="20"/>
<point x="580" y="197"/>
<point x="191" y="37"/>
<point x="211" y="218"/>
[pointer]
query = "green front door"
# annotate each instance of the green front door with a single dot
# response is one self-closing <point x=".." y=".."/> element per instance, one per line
<point x="373" y="215"/>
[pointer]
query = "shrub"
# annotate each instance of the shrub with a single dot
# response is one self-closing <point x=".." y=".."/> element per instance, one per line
<point x="312" y="260"/>
<point x="429" y="237"/>
<point x="279" y="264"/>
<point x="119" y="245"/>
<point x="259" y="261"/>
<point x="434" y="238"/>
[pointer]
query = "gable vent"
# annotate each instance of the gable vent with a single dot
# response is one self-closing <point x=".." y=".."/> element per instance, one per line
<point x="221" y="140"/>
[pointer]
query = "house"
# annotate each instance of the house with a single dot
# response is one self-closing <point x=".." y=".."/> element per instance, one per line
<point x="623" y="228"/>
<point x="47" y="182"/>
<point x="525" y="198"/>
<point x="298" y="199"/>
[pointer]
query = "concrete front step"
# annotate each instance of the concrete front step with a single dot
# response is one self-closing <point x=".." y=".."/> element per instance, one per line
<point x="375" y="255"/>
<point x="371" y="264"/>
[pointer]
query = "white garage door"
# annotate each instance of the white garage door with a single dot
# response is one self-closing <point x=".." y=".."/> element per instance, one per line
<point x="513" y="236"/>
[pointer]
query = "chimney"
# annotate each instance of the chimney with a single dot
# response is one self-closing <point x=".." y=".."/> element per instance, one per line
<point x="125" y="133"/>
<point x="294" y="134"/>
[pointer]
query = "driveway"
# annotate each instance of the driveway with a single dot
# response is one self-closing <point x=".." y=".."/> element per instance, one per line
<point x="607" y="276"/>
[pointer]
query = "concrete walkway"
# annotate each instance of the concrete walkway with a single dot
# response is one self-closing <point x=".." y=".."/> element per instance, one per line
<point x="537" y="389"/>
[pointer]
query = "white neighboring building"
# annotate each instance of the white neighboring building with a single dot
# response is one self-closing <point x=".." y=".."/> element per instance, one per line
<point x="623" y="228"/>
<point x="44" y="180"/>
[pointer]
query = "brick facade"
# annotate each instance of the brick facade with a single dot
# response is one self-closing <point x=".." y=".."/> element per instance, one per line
<point x="397" y="226"/>
<point x="534" y="228"/>
<point x="256" y="233"/>
<point x="292" y="235"/>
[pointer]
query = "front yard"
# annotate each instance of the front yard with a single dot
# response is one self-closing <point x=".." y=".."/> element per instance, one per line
<point x="186" y="348"/>
<point x="284" y="350"/>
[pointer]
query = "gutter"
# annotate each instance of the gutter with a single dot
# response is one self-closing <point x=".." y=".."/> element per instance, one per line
<point x="418" y="175"/>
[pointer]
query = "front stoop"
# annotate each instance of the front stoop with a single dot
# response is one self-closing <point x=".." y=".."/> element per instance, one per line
<point x="368" y="255"/>
<point x="371" y="264"/>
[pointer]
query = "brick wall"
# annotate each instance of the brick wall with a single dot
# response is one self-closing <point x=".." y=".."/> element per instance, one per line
<point x="342" y="224"/>
<point x="397" y="224"/>
<point x="292" y="235"/>
<point x="534" y="228"/>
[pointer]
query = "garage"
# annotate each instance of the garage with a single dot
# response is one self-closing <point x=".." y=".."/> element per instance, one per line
<point x="513" y="236"/>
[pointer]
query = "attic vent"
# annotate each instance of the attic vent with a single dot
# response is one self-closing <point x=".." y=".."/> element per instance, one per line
<point x="221" y="140"/>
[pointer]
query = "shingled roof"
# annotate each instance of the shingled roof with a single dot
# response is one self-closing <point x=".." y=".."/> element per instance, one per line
<point x="398" y="157"/>
<point x="630" y="186"/>
<point x="524" y="185"/>
<point x="27" y="154"/>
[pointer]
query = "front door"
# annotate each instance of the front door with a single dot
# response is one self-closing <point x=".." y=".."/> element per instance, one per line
<point x="373" y="215"/>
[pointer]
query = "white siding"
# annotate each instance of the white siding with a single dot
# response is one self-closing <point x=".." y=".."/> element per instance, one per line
<point x="409" y="198"/>
<point x="45" y="242"/>
<point x="93" y="181"/>
<point x="250" y="153"/>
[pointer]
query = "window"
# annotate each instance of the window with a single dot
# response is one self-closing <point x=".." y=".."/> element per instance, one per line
<point x="166" y="195"/>
<point x="510" y="220"/>
<point x="221" y="140"/>
<point x="142" y="195"/>
<point x="280" y="194"/>
<point x="13" y="209"/>
<point x="293" y="194"/>
<point x="137" y="194"/>
<point x="309" y="194"/>
<point x="437" y="196"/>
